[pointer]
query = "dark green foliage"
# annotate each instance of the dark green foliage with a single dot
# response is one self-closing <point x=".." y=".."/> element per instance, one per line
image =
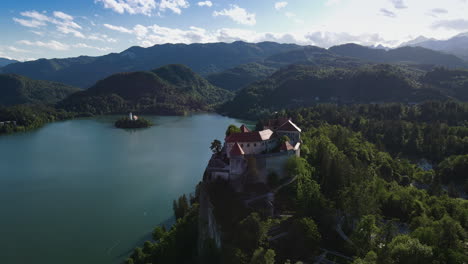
<point x="236" y="78"/>
<point x="180" y="206"/>
<point x="29" y="117"/>
<point x="232" y="129"/>
<point x="263" y="256"/>
<point x="125" y="122"/>
<point x="454" y="169"/>
<point x="304" y="238"/>
<point x="251" y="233"/>
<point x="216" y="146"/>
<point x="296" y="86"/>
<point x="178" y="245"/>
<point x="16" y="89"/>
<point x="173" y="89"/>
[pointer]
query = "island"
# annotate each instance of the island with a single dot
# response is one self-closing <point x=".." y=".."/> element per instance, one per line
<point x="132" y="121"/>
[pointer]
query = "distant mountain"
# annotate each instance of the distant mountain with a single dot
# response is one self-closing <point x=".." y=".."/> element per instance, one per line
<point x="172" y="89"/>
<point x="5" y="62"/>
<point x="297" y="86"/>
<point x="403" y="55"/>
<point x="457" y="45"/>
<point x="240" y="76"/>
<point x="202" y="58"/>
<point x="16" y="89"/>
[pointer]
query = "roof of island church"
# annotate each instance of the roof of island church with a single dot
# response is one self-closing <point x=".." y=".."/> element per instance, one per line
<point x="254" y="136"/>
<point x="237" y="150"/>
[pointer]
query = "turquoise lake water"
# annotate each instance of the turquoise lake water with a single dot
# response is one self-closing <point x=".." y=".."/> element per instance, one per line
<point x="82" y="191"/>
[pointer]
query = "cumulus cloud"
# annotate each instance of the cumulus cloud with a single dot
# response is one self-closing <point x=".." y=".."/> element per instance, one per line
<point x="454" y="24"/>
<point x="387" y="13"/>
<point x="64" y="23"/>
<point x="237" y="14"/>
<point x="118" y="28"/>
<point x="63" y="16"/>
<point x="86" y="46"/>
<point x="328" y="39"/>
<point x="144" y="7"/>
<point x="398" y="4"/>
<point x="280" y="5"/>
<point x="29" y="23"/>
<point x="205" y="3"/>
<point x="53" y="44"/>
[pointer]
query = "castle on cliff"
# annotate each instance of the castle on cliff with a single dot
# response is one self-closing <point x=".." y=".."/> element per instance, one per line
<point x="251" y="156"/>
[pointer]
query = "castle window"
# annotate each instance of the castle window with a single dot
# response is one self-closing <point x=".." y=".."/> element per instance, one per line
<point x="248" y="145"/>
<point x="255" y="144"/>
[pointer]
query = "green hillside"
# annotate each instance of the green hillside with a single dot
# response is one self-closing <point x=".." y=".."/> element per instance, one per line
<point x="240" y="76"/>
<point x="16" y="89"/>
<point x="172" y="89"/>
<point x="297" y="86"/>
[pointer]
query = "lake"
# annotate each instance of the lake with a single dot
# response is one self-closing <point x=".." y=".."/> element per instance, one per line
<point x="82" y="191"/>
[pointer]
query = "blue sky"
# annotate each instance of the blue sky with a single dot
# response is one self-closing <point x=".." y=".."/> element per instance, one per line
<point x="33" y="29"/>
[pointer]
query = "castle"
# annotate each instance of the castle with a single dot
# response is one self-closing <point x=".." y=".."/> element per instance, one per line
<point x="251" y="156"/>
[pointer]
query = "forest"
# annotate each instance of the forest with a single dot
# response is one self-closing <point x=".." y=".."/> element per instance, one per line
<point x="361" y="194"/>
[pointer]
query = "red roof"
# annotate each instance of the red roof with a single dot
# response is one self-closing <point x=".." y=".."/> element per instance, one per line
<point x="237" y="150"/>
<point x="255" y="136"/>
<point x="286" y="146"/>
<point x="244" y="129"/>
<point x="275" y="123"/>
<point x="289" y="126"/>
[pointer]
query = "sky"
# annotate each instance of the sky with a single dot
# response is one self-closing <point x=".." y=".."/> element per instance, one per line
<point x="33" y="29"/>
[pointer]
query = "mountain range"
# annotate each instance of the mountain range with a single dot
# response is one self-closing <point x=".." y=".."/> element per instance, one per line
<point x="206" y="59"/>
<point x="5" y="62"/>
<point x="457" y="45"/>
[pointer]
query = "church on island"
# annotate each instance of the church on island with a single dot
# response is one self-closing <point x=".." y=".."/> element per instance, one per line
<point x="251" y="156"/>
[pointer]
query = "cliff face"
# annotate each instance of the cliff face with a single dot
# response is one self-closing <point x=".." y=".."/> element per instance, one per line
<point x="207" y="225"/>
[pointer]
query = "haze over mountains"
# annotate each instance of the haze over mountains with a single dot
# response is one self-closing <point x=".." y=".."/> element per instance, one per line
<point x="457" y="45"/>
<point x="5" y="61"/>
<point x="212" y="58"/>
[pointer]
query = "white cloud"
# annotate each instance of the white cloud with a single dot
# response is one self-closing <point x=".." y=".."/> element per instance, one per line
<point x="118" y="28"/>
<point x="101" y="37"/>
<point x="205" y="3"/>
<point x="238" y="14"/>
<point x="398" y="4"/>
<point x="455" y="24"/>
<point x="173" y="5"/>
<point x="86" y="46"/>
<point x="29" y="23"/>
<point x="144" y="7"/>
<point x="15" y="49"/>
<point x="280" y="5"/>
<point x="387" y="13"/>
<point x="62" y="15"/>
<point x="64" y="22"/>
<point x="53" y="44"/>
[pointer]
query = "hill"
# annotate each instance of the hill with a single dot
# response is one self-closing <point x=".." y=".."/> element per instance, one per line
<point x="297" y="86"/>
<point x="403" y="55"/>
<point x="16" y="89"/>
<point x="172" y="89"/>
<point x="5" y="62"/>
<point x="240" y="76"/>
<point x="202" y="58"/>
<point x="457" y="45"/>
